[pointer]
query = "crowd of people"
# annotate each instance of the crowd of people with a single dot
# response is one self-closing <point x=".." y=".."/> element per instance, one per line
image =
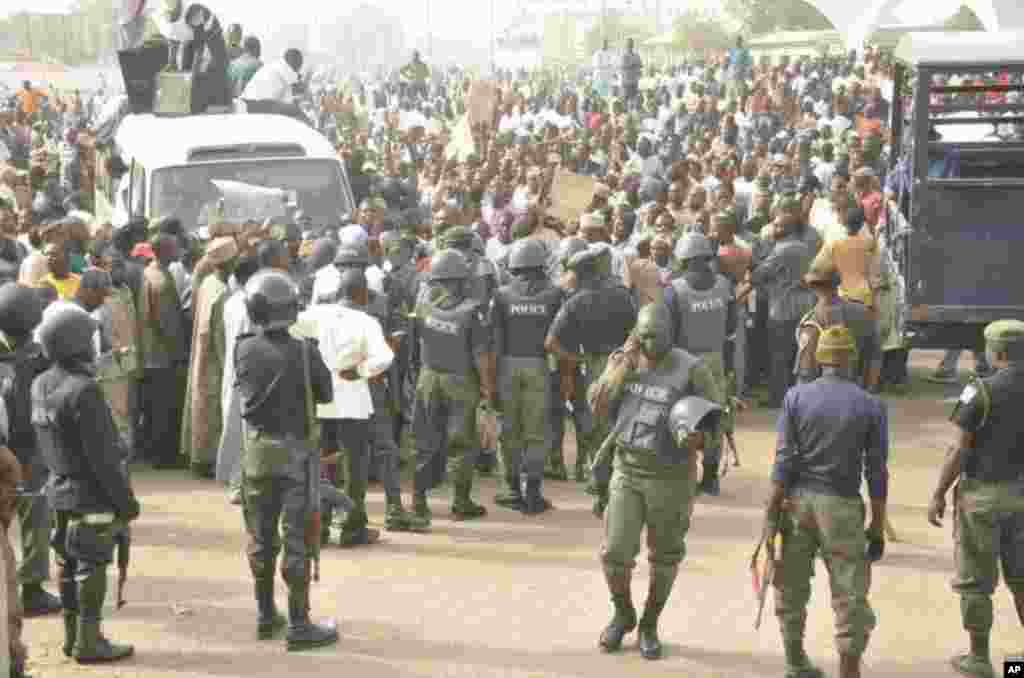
<point x="735" y="237"/>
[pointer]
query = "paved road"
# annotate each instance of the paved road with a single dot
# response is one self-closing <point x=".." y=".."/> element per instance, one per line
<point x="518" y="597"/>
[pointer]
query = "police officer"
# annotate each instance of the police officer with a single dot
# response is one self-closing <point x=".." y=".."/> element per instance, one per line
<point x="21" y="362"/>
<point x="279" y="379"/>
<point x="831" y="432"/>
<point x="866" y="367"/>
<point x="701" y="302"/>
<point x="989" y="518"/>
<point x="523" y="311"/>
<point x="457" y="370"/>
<point x="401" y="282"/>
<point x="565" y="279"/>
<point x="654" y="477"/>
<point x="591" y="324"/>
<point x="482" y="285"/>
<point x="88" y="488"/>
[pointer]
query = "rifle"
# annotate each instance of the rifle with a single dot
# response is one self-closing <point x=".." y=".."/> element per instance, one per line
<point x="123" y="540"/>
<point x="763" y="580"/>
<point x="312" y="535"/>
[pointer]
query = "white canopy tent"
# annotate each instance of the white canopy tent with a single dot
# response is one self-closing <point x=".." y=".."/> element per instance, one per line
<point x="857" y="21"/>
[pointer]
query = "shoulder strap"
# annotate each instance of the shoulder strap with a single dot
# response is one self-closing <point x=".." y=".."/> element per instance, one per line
<point x="308" y="383"/>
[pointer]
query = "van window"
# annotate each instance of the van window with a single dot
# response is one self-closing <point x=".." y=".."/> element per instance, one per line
<point x="188" y="192"/>
<point x="976" y="124"/>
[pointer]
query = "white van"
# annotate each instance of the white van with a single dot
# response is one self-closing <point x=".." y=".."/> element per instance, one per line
<point x="172" y="162"/>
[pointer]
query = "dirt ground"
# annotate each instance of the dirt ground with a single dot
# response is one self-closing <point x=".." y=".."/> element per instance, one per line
<point x="515" y="596"/>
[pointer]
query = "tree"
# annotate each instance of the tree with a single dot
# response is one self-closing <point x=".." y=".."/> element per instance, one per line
<point x="964" y="20"/>
<point x="617" y="28"/>
<point x="696" y="31"/>
<point x="766" y="16"/>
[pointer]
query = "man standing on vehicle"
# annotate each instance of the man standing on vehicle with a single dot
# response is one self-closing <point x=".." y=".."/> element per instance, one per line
<point x="831" y="434"/>
<point x="275" y="86"/>
<point x="989" y="519"/>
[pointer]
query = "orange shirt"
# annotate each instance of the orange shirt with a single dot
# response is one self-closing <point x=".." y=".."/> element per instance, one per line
<point x="29" y="99"/>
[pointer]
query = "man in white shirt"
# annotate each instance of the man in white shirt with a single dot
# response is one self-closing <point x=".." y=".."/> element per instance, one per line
<point x="274" y="87"/>
<point x="353" y="347"/>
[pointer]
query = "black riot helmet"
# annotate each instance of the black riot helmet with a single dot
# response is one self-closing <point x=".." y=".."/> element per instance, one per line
<point x="449" y="265"/>
<point x="21" y="309"/>
<point x="66" y="335"/>
<point x="527" y="254"/>
<point x="352" y="257"/>
<point x="272" y="300"/>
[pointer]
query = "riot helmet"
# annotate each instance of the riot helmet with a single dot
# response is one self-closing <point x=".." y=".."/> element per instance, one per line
<point x="272" y="300"/>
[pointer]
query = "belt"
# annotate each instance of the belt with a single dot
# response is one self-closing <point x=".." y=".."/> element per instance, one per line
<point x="95" y="519"/>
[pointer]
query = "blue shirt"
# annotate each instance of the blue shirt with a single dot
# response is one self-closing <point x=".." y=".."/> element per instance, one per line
<point x="830" y="431"/>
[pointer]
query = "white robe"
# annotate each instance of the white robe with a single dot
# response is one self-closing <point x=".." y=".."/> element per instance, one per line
<point x="229" y="454"/>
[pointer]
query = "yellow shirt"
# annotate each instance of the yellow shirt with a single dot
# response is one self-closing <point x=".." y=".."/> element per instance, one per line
<point x="66" y="288"/>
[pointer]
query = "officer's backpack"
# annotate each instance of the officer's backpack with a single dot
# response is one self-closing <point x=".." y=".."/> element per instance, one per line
<point x="16" y="377"/>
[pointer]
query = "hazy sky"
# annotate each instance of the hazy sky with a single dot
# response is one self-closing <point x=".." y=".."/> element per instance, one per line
<point x="470" y="21"/>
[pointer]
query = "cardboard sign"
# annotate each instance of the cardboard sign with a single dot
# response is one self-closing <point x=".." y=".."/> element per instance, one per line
<point x="248" y="202"/>
<point x="570" y="194"/>
<point x="481" y="102"/>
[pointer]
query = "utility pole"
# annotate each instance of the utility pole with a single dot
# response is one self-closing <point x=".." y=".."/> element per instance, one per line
<point x="430" y="35"/>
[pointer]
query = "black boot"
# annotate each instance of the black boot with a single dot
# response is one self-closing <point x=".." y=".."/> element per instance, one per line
<point x="535" y="502"/>
<point x="69" y="601"/>
<point x="90" y="645"/>
<point x="512" y="496"/>
<point x="302" y="633"/>
<point x="270" y="621"/>
<point x="662" y="579"/>
<point x="326" y="516"/>
<point x="624" y="619"/>
<point x="709" y="484"/>
<point x="70" y="632"/>
<point x="37" y="601"/>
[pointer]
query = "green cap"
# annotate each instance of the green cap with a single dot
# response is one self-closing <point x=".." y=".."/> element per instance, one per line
<point x="764" y="183"/>
<point x="1002" y="334"/>
<point x="456" y="235"/>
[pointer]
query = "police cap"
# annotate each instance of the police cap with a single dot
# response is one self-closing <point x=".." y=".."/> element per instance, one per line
<point x="20" y="309"/>
<point x="449" y="265"/>
<point x="1006" y="335"/>
<point x="272" y="300"/>
<point x="834" y="344"/>
<point x="527" y="254"/>
<point x="66" y="334"/>
<point x="694" y="246"/>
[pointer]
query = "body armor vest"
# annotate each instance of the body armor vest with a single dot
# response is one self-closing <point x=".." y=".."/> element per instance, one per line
<point x="701" y="316"/>
<point x="445" y="338"/>
<point x="526" y="318"/>
<point x="642" y="421"/>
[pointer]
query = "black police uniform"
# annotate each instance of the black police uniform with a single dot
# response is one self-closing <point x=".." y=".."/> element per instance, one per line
<point x="595" y="321"/>
<point x="989" y="512"/>
<point x="90" y="493"/>
<point x="278" y="462"/>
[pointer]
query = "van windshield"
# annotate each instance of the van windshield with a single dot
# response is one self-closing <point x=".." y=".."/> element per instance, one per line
<point x="188" y="192"/>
